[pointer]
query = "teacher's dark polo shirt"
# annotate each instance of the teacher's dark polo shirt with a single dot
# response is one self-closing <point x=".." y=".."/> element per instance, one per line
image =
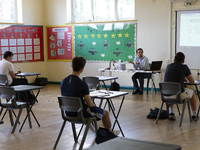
<point x="176" y="72"/>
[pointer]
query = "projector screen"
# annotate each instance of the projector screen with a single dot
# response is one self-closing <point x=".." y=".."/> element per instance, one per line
<point x="188" y="37"/>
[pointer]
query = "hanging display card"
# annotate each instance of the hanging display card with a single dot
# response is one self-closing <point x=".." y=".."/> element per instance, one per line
<point x="25" y="41"/>
<point x="60" y="43"/>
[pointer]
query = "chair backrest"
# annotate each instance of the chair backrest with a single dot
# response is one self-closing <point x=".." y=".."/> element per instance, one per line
<point x="3" y="80"/>
<point x="92" y="82"/>
<point x="8" y="93"/>
<point x="170" y="91"/>
<point x="71" y="104"/>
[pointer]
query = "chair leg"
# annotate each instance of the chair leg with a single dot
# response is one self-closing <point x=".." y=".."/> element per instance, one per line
<point x="79" y="132"/>
<point x="17" y="119"/>
<point x="59" y="135"/>
<point x="11" y="117"/>
<point x="158" y="116"/>
<point x="182" y="114"/>
<point x="85" y="134"/>
<point x="189" y="111"/>
<point x="74" y="132"/>
<point x="178" y="109"/>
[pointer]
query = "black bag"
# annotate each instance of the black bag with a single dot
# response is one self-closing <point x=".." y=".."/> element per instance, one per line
<point x="114" y="86"/>
<point x="154" y="113"/>
<point x="41" y="81"/>
<point x="103" y="135"/>
<point x="22" y="97"/>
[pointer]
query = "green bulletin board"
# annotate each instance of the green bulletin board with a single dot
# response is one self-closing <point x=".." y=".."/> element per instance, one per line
<point x="103" y="42"/>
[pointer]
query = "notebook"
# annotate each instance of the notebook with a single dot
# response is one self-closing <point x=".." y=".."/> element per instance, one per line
<point x="155" y="65"/>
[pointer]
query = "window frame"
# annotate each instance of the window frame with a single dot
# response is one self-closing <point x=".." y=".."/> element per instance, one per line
<point x="19" y="18"/>
<point x="70" y="14"/>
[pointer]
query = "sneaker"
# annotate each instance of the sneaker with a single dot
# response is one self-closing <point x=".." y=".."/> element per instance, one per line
<point x="172" y="116"/>
<point x="135" y="92"/>
<point x="194" y="117"/>
<point x="116" y="132"/>
<point x="1" y="122"/>
<point x="140" y="92"/>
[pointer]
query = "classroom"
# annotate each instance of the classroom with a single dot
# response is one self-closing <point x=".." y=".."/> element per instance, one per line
<point x="155" y="33"/>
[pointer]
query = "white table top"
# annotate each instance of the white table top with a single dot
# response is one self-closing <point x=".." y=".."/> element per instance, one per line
<point x="130" y="70"/>
<point x="106" y="94"/>
<point x="18" y="88"/>
<point x="27" y="74"/>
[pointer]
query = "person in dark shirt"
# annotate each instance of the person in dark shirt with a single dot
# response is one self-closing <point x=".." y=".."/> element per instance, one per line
<point x="74" y="86"/>
<point x="179" y="72"/>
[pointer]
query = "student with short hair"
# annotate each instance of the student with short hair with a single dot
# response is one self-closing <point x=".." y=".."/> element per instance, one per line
<point x="73" y="86"/>
<point x="7" y="68"/>
<point x="179" y="72"/>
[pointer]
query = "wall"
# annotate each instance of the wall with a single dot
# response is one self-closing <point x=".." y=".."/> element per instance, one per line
<point x="33" y="14"/>
<point x="152" y="36"/>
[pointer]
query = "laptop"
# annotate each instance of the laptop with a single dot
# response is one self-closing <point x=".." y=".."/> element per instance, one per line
<point x="155" y="65"/>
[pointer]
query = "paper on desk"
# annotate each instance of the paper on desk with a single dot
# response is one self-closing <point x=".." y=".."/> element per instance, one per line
<point x="99" y="93"/>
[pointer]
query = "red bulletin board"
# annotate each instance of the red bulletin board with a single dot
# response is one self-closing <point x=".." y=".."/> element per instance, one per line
<point x="25" y="41"/>
<point x="60" y="43"/>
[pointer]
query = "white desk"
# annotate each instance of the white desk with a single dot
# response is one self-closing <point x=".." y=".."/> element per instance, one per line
<point x="108" y="95"/>
<point x="24" y="88"/>
<point x="102" y="70"/>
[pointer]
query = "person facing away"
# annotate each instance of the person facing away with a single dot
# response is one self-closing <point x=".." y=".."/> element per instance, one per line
<point x="179" y="72"/>
<point x="140" y="62"/>
<point x="7" y="68"/>
<point x="73" y="86"/>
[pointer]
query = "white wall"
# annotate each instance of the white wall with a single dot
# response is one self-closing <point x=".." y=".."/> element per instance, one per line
<point x="153" y="34"/>
<point x="33" y="14"/>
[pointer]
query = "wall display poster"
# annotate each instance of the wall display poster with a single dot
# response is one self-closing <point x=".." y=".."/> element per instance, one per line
<point x="105" y="42"/>
<point x="25" y="41"/>
<point x="60" y="43"/>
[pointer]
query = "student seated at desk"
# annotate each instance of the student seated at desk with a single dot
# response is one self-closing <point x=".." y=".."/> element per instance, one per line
<point x="140" y="62"/>
<point x="7" y="68"/>
<point x="75" y="87"/>
<point x="178" y="72"/>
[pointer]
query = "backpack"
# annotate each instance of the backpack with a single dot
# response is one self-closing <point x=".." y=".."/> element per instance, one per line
<point x="103" y="135"/>
<point x="114" y="86"/>
<point x="154" y="113"/>
<point x="41" y="81"/>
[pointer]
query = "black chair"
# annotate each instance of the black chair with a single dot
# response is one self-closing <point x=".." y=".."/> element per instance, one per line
<point x="170" y="94"/>
<point x="92" y="82"/>
<point x="74" y="104"/>
<point x="3" y="80"/>
<point x="8" y="95"/>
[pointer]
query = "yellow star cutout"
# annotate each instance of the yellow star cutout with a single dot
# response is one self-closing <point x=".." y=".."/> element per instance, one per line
<point x="113" y="35"/>
<point x="126" y="35"/>
<point x="99" y="36"/>
<point x="105" y="35"/>
<point x="85" y="36"/>
<point x="120" y="35"/>
<point x="79" y="36"/>
<point x="93" y="36"/>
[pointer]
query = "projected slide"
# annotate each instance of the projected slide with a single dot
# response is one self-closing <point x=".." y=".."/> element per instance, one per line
<point x="190" y="29"/>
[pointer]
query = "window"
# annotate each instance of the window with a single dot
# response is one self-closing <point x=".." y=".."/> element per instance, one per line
<point x="11" y="11"/>
<point x="100" y="10"/>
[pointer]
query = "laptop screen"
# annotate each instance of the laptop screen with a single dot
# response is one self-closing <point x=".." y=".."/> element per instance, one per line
<point x="156" y="65"/>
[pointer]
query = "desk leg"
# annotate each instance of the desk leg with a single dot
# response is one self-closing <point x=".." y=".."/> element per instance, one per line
<point x="116" y="116"/>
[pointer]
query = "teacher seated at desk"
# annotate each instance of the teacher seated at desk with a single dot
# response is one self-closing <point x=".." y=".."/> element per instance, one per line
<point x="7" y="68"/>
<point x="141" y="62"/>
